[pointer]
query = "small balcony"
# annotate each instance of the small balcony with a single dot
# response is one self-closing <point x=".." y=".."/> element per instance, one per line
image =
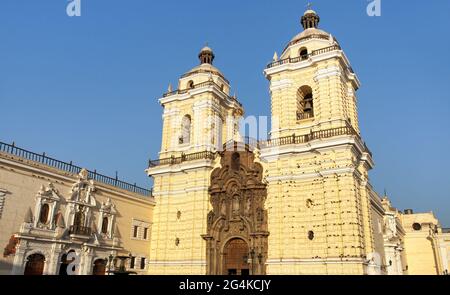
<point x="80" y="231"/>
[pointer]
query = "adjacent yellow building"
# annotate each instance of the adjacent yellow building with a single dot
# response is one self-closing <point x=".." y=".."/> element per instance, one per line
<point x="50" y="209"/>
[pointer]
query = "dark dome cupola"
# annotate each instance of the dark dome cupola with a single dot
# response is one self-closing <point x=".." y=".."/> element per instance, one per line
<point x="206" y="56"/>
<point x="310" y="19"/>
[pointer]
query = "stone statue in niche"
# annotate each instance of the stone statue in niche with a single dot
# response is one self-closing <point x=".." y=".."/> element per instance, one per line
<point x="223" y="208"/>
<point x="248" y="206"/>
<point x="236" y="205"/>
<point x="391" y="228"/>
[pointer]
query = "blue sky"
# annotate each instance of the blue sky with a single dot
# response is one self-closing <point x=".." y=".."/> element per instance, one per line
<point x="85" y="88"/>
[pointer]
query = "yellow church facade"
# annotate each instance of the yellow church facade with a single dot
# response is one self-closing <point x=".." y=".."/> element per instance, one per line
<point x="298" y="203"/>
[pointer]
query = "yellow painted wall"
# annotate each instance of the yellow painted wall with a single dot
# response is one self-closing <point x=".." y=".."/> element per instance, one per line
<point x="23" y="179"/>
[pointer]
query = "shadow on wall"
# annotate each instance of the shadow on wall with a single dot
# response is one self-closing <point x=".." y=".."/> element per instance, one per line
<point x="5" y="267"/>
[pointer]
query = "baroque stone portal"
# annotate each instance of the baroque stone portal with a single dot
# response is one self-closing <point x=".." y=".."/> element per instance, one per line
<point x="237" y="225"/>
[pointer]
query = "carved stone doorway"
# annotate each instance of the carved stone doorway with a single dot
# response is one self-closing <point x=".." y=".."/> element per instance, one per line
<point x="235" y="258"/>
<point x="236" y="241"/>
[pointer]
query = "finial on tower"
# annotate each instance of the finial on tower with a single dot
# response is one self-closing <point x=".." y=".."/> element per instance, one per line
<point x="310" y="18"/>
<point x="206" y="55"/>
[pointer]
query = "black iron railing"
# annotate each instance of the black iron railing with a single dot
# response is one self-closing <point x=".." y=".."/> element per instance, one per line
<point x="80" y="230"/>
<point x="303" y="57"/>
<point x="183" y="158"/>
<point x="69" y="167"/>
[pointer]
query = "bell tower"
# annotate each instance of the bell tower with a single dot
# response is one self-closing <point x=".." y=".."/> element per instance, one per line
<point x="199" y="117"/>
<point x="312" y="84"/>
<point x="316" y="164"/>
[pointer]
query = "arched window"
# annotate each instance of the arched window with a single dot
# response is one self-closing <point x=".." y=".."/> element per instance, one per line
<point x="105" y="223"/>
<point x="190" y="84"/>
<point x="78" y="220"/>
<point x="305" y="103"/>
<point x="303" y="53"/>
<point x="43" y="217"/>
<point x="185" y="137"/>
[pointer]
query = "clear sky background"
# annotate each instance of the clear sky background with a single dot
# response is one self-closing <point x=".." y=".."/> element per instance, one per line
<point x="85" y="88"/>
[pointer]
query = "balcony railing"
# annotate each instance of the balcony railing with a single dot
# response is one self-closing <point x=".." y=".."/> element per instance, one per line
<point x="200" y="71"/>
<point x="303" y="57"/>
<point x="200" y="85"/>
<point x="249" y="142"/>
<point x="310" y="37"/>
<point x="69" y="167"/>
<point x="296" y="139"/>
<point x="183" y="158"/>
<point x="80" y="230"/>
<point x="252" y="143"/>
<point x="304" y="116"/>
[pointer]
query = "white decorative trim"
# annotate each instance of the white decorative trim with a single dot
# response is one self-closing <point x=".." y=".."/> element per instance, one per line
<point x="326" y="73"/>
<point x="281" y="84"/>
<point x="311" y="61"/>
<point x="200" y="164"/>
<point x="3" y="193"/>
<point x="273" y="153"/>
<point x="196" y="91"/>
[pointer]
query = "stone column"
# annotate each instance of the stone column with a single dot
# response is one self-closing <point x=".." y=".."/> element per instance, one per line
<point x="19" y="260"/>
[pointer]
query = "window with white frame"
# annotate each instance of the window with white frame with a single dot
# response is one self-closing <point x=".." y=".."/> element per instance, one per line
<point x="47" y="203"/>
<point x="143" y="263"/>
<point x="140" y="230"/>
<point x="107" y="218"/>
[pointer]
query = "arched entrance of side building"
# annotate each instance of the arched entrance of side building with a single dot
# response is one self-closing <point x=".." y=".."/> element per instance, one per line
<point x="99" y="268"/>
<point x="236" y="239"/>
<point x="35" y="265"/>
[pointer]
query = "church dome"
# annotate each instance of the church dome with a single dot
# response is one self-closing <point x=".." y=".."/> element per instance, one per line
<point x="206" y="57"/>
<point x="310" y="32"/>
<point x="310" y="23"/>
<point x="310" y="11"/>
